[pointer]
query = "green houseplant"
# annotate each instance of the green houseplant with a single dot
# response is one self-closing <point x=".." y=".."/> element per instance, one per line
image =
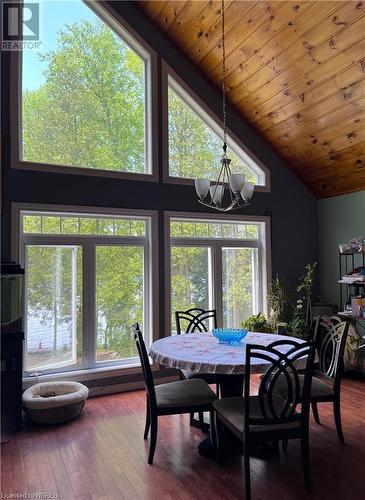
<point x="297" y="325"/>
<point x="257" y="323"/>
<point x="277" y="299"/>
<point x="301" y="321"/>
<point x="306" y="287"/>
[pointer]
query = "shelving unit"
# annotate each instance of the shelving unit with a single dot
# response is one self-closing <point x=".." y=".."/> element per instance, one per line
<point x="347" y="262"/>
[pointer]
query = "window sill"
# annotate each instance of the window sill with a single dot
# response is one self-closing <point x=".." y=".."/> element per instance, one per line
<point x="85" y="374"/>
<point x="104" y="381"/>
<point x="64" y="169"/>
<point x="169" y="179"/>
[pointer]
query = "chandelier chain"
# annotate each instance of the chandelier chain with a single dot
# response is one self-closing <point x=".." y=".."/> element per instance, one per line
<point x="229" y="191"/>
<point x="224" y="80"/>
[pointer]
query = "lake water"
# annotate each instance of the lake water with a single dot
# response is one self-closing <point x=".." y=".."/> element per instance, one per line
<point x="40" y="335"/>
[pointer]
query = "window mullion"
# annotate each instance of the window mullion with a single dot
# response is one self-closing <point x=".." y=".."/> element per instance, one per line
<point x="89" y="305"/>
<point x="24" y="263"/>
<point x="259" y="279"/>
<point x="218" y="282"/>
<point x="222" y="242"/>
<point x="147" y="296"/>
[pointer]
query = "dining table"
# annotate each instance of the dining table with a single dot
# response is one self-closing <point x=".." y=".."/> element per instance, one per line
<point x="202" y="353"/>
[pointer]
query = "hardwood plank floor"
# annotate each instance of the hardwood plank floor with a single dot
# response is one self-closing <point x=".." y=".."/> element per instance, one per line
<point x="102" y="455"/>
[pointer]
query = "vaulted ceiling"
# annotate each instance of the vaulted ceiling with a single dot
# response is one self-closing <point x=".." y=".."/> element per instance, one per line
<point x="295" y="71"/>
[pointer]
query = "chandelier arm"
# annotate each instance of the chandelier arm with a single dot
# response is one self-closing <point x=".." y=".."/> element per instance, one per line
<point x="221" y="173"/>
<point x="235" y="205"/>
<point x="216" y="186"/>
<point x="227" y="171"/>
<point x="224" y="168"/>
<point x="232" y="193"/>
<point x="220" y="179"/>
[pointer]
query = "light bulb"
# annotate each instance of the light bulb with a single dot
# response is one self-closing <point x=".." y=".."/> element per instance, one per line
<point x="202" y="187"/>
<point x="216" y="193"/>
<point x="247" y="190"/>
<point x="236" y="182"/>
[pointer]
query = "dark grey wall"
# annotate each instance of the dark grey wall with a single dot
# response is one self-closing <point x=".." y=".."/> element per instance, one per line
<point x="293" y="209"/>
<point x="341" y="218"/>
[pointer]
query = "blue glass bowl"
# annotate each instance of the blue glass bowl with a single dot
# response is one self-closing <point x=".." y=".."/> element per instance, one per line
<point x="230" y="336"/>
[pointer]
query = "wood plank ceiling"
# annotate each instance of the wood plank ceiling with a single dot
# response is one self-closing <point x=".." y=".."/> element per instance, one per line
<point x="296" y="72"/>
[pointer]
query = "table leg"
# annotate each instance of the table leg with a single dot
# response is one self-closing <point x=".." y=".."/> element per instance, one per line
<point x="230" y="386"/>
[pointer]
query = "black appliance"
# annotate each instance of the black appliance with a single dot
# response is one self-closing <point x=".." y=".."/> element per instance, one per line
<point x="12" y="339"/>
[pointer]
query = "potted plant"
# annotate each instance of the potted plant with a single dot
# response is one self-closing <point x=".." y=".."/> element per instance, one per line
<point x="257" y="323"/>
<point x="305" y="286"/>
<point x="277" y="300"/>
<point x="297" y="325"/>
<point x="301" y="322"/>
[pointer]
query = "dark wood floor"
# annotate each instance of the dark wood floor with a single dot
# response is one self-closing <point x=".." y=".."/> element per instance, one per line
<point x="102" y="456"/>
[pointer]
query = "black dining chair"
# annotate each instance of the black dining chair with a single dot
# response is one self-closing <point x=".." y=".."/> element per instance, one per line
<point x="197" y="320"/>
<point x="267" y="416"/>
<point x="173" y="398"/>
<point x="330" y="337"/>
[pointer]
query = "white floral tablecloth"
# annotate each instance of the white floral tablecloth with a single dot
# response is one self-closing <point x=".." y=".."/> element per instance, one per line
<point x="201" y="353"/>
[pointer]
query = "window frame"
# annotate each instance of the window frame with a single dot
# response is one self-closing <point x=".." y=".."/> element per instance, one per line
<point x="23" y="258"/>
<point x="263" y="244"/>
<point x="121" y="28"/>
<point x="151" y="287"/>
<point x="211" y="119"/>
<point x="177" y="243"/>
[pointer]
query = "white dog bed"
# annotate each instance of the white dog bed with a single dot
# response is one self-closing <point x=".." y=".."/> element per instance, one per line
<point x="54" y="402"/>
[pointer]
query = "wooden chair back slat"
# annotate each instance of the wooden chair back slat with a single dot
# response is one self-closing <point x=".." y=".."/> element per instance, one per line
<point x="330" y="339"/>
<point x="197" y="320"/>
<point x="145" y="363"/>
<point x="282" y="366"/>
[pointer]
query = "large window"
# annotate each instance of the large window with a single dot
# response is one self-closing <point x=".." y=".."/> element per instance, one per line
<point x="85" y="94"/>
<point x="218" y="264"/>
<point x="195" y="141"/>
<point x="54" y="306"/>
<point x="88" y="278"/>
<point x="191" y="284"/>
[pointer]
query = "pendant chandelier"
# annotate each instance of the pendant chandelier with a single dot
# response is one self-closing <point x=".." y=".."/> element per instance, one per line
<point x="230" y="191"/>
